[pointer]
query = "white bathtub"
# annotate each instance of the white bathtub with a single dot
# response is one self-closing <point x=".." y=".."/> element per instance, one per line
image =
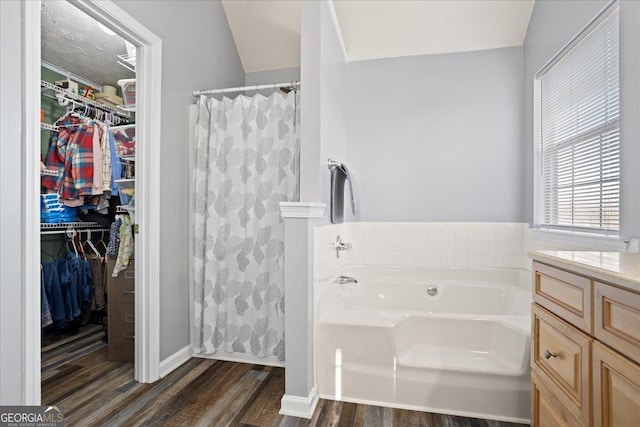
<point x="464" y="351"/>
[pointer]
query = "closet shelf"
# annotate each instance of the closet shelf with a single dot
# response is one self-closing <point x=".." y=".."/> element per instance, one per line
<point x="68" y="227"/>
<point x="127" y="108"/>
<point x="128" y="61"/>
<point x="78" y="98"/>
<point x="124" y="209"/>
<point x="47" y="126"/>
<point x="48" y="172"/>
<point x="65" y="225"/>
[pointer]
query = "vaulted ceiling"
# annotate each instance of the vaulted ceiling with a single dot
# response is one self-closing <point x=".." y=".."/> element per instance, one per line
<point x="267" y="32"/>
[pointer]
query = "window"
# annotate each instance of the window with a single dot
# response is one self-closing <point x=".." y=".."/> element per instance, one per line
<point x="578" y="133"/>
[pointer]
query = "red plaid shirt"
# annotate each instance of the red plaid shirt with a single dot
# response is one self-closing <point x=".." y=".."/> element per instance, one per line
<point x="71" y="152"/>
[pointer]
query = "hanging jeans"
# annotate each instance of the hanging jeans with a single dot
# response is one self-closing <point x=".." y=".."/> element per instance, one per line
<point x="54" y="294"/>
<point x="69" y="288"/>
<point x="45" y="312"/>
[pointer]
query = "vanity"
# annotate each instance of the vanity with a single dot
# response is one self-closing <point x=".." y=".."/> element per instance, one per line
<point x="585" y="351"/>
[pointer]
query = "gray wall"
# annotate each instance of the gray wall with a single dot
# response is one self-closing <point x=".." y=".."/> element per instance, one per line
<point x="333" y="104"/>
<point x="11" y="211"/>
<point x="553" y="24"/>
<point x="198" y="52"/>
<point x="437" y="137"/>
<point x="271" y="76"/>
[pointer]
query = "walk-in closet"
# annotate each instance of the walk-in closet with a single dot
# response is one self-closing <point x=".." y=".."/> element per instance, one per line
<point x="87" y="208"/>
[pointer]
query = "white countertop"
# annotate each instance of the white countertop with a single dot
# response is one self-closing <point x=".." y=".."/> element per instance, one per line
<point x="618" y="268"/>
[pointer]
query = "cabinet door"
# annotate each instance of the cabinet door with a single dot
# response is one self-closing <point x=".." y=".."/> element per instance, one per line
<point x="616" y="389"/>
<point x="560" y="355"/>
<point x="546" y="409"/>
<point x="617" y="319"/>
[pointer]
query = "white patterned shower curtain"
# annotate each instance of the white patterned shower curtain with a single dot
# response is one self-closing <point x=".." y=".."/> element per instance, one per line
<point x="246" y="163"/>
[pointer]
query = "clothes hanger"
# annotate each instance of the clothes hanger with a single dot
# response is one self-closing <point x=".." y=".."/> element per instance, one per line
<point x="73" y="243"/>
<point x="90" y="243"/>
<point x="104" y="245"/>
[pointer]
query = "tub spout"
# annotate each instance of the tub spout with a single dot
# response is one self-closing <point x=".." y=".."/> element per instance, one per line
<point x="345" y="279"/>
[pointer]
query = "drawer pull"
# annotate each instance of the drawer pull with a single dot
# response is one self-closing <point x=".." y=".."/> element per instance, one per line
<point x="548" y="354"/>
<point x="130" y="336"/>
<point x="128" y="292"/>
<point x="130" y="318"/>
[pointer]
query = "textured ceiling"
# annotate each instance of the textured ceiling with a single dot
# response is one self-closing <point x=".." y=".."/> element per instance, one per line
<point x="267" y="32"/>
<point x="73" y="40"/>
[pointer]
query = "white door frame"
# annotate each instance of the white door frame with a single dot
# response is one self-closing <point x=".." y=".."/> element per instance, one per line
<point x="147" y="247"/>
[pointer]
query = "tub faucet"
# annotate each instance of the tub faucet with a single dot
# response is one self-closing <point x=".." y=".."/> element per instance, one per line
<point x="345" y="279"/>
<point x="339" y="245"/>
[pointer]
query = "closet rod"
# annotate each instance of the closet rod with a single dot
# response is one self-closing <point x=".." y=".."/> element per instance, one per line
<point x="242" y="88"/>
<point x="77" y="230"/>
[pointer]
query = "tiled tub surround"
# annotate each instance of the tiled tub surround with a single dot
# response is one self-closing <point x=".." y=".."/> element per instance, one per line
<point x="431" y="244"/>
<point x="463" y="351"/>
<point x="481" y="269"/>
<point x="386" y="341"/>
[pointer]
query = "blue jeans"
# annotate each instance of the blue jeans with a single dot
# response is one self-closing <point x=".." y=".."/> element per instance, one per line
<point x="68" y="288"/>
<point x="54" y="294"/>
<point x="45" y="312"/>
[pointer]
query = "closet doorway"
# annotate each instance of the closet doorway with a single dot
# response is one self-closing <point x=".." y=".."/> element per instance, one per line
<point x="146" y="47"/>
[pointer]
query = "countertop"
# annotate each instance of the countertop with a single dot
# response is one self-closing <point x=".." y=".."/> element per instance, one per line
<point x="618" y="268"/>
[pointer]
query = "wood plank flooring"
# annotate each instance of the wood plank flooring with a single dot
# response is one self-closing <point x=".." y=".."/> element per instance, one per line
<point x="202" y="392"/>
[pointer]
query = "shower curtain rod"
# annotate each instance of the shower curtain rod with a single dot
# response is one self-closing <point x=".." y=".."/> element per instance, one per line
<point x="241" y="88"/>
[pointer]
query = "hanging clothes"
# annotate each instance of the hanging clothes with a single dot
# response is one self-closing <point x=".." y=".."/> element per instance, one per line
<point x="68" y="288"/>
<point x="125" y="248"/>
<point x="71" y="154"/>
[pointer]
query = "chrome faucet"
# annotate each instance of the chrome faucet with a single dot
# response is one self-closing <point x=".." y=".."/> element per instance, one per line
<point x="339" y="245"/>
<point x="345" y="279"/>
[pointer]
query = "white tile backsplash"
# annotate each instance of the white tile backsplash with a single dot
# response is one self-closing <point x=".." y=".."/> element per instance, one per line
<point x="429" y="244"/>
<point x="432" y="244"/>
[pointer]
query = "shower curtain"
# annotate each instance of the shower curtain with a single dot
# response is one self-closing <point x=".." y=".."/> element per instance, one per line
<point x="246" y="163"/>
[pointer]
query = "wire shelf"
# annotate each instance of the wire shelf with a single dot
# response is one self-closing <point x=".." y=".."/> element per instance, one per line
<point x="48" y="172"/>
<point x="79" y="98"/>
<point x="47" y="126"/>
<point x="68" y="225"/>
<point x="128" y="61"/>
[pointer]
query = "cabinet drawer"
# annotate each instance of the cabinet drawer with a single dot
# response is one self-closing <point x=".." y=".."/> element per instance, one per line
<point x="122" y="326"/>
<point x="616" y="389"/>
<point x="566" y="294"/>
<point x="547" y="411"/>
<point x="617" y="319"/>
<point x="121" y="288"/>
<point x="560" y="355"/>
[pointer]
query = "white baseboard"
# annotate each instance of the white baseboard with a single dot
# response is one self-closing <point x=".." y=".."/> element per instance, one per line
<point x="241" y="358"/>
<point x="301" y="407"/>
<point x="172" y="362"/>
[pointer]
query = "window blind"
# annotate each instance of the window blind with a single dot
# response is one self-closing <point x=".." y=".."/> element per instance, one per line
<point x="579" y="103"/>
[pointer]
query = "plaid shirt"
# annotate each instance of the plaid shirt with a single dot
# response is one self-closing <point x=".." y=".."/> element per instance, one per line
<point x="71" y="152"/>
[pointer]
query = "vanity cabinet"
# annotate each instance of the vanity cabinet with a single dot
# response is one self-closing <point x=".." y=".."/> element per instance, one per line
<point x="585" y="352"/>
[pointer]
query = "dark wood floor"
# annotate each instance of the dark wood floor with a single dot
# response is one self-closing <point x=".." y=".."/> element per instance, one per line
<point x="95" y="392"/>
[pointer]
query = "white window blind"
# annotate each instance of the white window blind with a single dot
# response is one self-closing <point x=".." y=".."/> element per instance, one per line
<point x="579" y="134"/>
